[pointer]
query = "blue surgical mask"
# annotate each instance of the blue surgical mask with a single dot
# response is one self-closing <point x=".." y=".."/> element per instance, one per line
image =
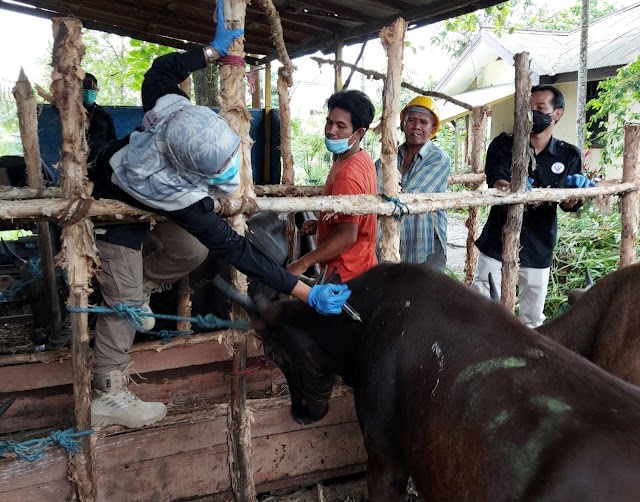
<point x="89" y="96"/>
<point x="228" y="173"/>
<point x="338" y="146"/>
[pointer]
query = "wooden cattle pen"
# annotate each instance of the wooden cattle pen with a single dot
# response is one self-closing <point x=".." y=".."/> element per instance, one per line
<point x="228" y="434"/>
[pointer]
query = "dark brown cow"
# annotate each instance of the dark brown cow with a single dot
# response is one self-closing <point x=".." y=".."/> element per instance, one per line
<point x="454" y="391"/>
<point x="603" y="324"/>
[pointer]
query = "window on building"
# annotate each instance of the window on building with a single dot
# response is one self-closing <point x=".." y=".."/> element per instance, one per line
<point x="594" y="130"/>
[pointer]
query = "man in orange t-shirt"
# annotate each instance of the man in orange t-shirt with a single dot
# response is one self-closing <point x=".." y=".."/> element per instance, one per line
<point x="346" y="243"/>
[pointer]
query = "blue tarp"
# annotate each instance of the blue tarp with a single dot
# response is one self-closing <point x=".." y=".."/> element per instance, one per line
<point x="127" y="118"/>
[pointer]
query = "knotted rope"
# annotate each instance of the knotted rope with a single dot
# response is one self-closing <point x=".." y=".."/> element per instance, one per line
<point x="33" y="449"/>
<point x="34" y="273"/>
<point x="134" y="313"/>
<point x="401" y="208"/>
<point x="230" y="60"/>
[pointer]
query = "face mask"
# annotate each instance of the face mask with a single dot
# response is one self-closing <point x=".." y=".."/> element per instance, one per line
<point x="228" y="173"/>
<point x="540" y="121"/>
<point x="89" y="96"/>
<point x="338" y="146"/>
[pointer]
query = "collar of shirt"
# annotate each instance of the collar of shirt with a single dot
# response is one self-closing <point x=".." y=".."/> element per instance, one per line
<point x="552" y="147"/>
<point x="422" y="153"/>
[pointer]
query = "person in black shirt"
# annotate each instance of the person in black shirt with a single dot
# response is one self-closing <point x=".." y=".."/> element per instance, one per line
<point x="557" y="165"/>
<point x="101" y="130"/>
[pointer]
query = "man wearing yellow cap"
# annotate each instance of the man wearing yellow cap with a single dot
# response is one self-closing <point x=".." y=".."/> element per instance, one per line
<point x="424" y="168"/>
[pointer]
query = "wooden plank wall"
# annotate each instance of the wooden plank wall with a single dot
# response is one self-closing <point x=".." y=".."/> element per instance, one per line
<point x="186" y="456"/>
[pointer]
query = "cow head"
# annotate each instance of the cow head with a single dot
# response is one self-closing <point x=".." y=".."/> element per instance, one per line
<point x="35" y="291"/>
<point x="286" y="332"/>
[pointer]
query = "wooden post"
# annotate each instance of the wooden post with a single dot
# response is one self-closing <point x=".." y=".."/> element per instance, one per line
<point x="28" y="120"/>
<point x="478" y="132"/>
<point x="337" y="83"/>
<point x="285" y="82"/>
<point x="629" y="201"/>
<point x="184" y="303"/>
<point x="256" y="95"/>
<point x="392" y="37"/>
<point x="234" y="110"/>
<point x="267" y="123"/>
<point x="519" y="172"/>
<point x="78" y="254"/>
<point x="456" y="146"/>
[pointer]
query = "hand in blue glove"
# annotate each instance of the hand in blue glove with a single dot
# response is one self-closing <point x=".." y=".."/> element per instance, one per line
<point x="529" y="184"/>
<point x="329" y="298"/>
<point x="224" y="37"/>
<point x="578" y="181"/>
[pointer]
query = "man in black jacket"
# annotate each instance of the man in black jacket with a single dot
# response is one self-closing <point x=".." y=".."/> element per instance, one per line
<point x="102" y="130"/>
<point x="557" y="164"/>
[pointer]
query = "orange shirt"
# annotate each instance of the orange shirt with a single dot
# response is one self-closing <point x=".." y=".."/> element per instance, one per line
<point x="355" y="175"/>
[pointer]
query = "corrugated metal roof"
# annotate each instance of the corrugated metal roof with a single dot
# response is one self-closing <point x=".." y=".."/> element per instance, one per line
<point x="308" y="25"/>
<point x="614" y="40"/>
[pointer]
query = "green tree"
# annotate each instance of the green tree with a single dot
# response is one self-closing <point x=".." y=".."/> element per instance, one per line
<point x="569" y="19"/>
<point x="312" y="159"/>
<point x="9" y="132"/>
<point x="616" y="104"/>
<point x="139" y="58"/>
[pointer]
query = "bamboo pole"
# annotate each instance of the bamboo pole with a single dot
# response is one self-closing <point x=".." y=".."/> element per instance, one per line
<point x="78" y="253"/>
<point x="392" y="38"/>
<point x="629" y="201"/>
<point x="339" y="45"/>
<point x="28" y="121"/>
<point x="233" y="109"/>
<point x="519" y="170"/>
<point x="478" y="121"/>
<point x="111" y="210"/>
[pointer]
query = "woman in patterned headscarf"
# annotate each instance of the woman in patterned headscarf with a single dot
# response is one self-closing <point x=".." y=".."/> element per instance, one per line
<point x="175" y="164"/>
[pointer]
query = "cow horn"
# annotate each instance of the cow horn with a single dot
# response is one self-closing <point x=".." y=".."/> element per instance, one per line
<point x="15" y="259"/>
<point x="244" y="301"/>
<point x="5" y="406"/>
<point x="493" y="291"/>
<point x="588" y="279"/>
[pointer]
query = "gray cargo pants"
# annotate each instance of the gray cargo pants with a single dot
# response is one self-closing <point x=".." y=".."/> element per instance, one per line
<point x="121" y="274"/>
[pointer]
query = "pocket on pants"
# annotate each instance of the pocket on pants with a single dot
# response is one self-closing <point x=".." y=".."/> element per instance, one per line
<point x="120" y="276"/>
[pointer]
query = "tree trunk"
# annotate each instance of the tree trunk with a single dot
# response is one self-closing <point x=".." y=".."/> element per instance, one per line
<point x="519" y="171"/>
<point x="392" y="38"/>
<point x="629" y="201"/>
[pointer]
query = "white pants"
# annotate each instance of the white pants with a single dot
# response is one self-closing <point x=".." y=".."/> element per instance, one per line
<point x="533" y="284"/>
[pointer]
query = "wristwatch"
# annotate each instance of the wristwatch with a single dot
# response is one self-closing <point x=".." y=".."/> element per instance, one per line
<point x="210" y="54"/>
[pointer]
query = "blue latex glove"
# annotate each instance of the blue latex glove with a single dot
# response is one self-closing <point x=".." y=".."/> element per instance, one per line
<point x="329" y="298"/>
<point x="529" y="184"/>
<point x="578" y="181"/>
<point x="224" y="37"/>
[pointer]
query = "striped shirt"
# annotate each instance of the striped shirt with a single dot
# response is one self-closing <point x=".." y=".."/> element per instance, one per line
<point x="428" y="173"/>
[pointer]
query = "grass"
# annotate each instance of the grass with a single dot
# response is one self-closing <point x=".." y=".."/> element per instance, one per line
<point x="587" y="240"/>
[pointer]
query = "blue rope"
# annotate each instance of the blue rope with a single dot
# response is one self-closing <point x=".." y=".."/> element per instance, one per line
<point x="133" y="314"/>
<point x="166" y="335"/>
<point x="35" y="273"/>
<point x="401" y="207"/>
<point x="33" y="449"/>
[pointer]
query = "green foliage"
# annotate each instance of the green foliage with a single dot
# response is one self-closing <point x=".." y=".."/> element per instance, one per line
<point x="139" y="58"/>
<point x="312" y="159"/>
<point x="9" y="132"/>
<point x="507" y="17"/>
<point x="570" y="19"/>
<point x="616" y="104"/>
<point x="457" y="32"/>
<point x="106" y="57"/>
<point x="587" y="240"/>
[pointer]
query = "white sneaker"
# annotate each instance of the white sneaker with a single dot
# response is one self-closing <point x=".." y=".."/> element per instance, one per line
<point x="115" y="404"/>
